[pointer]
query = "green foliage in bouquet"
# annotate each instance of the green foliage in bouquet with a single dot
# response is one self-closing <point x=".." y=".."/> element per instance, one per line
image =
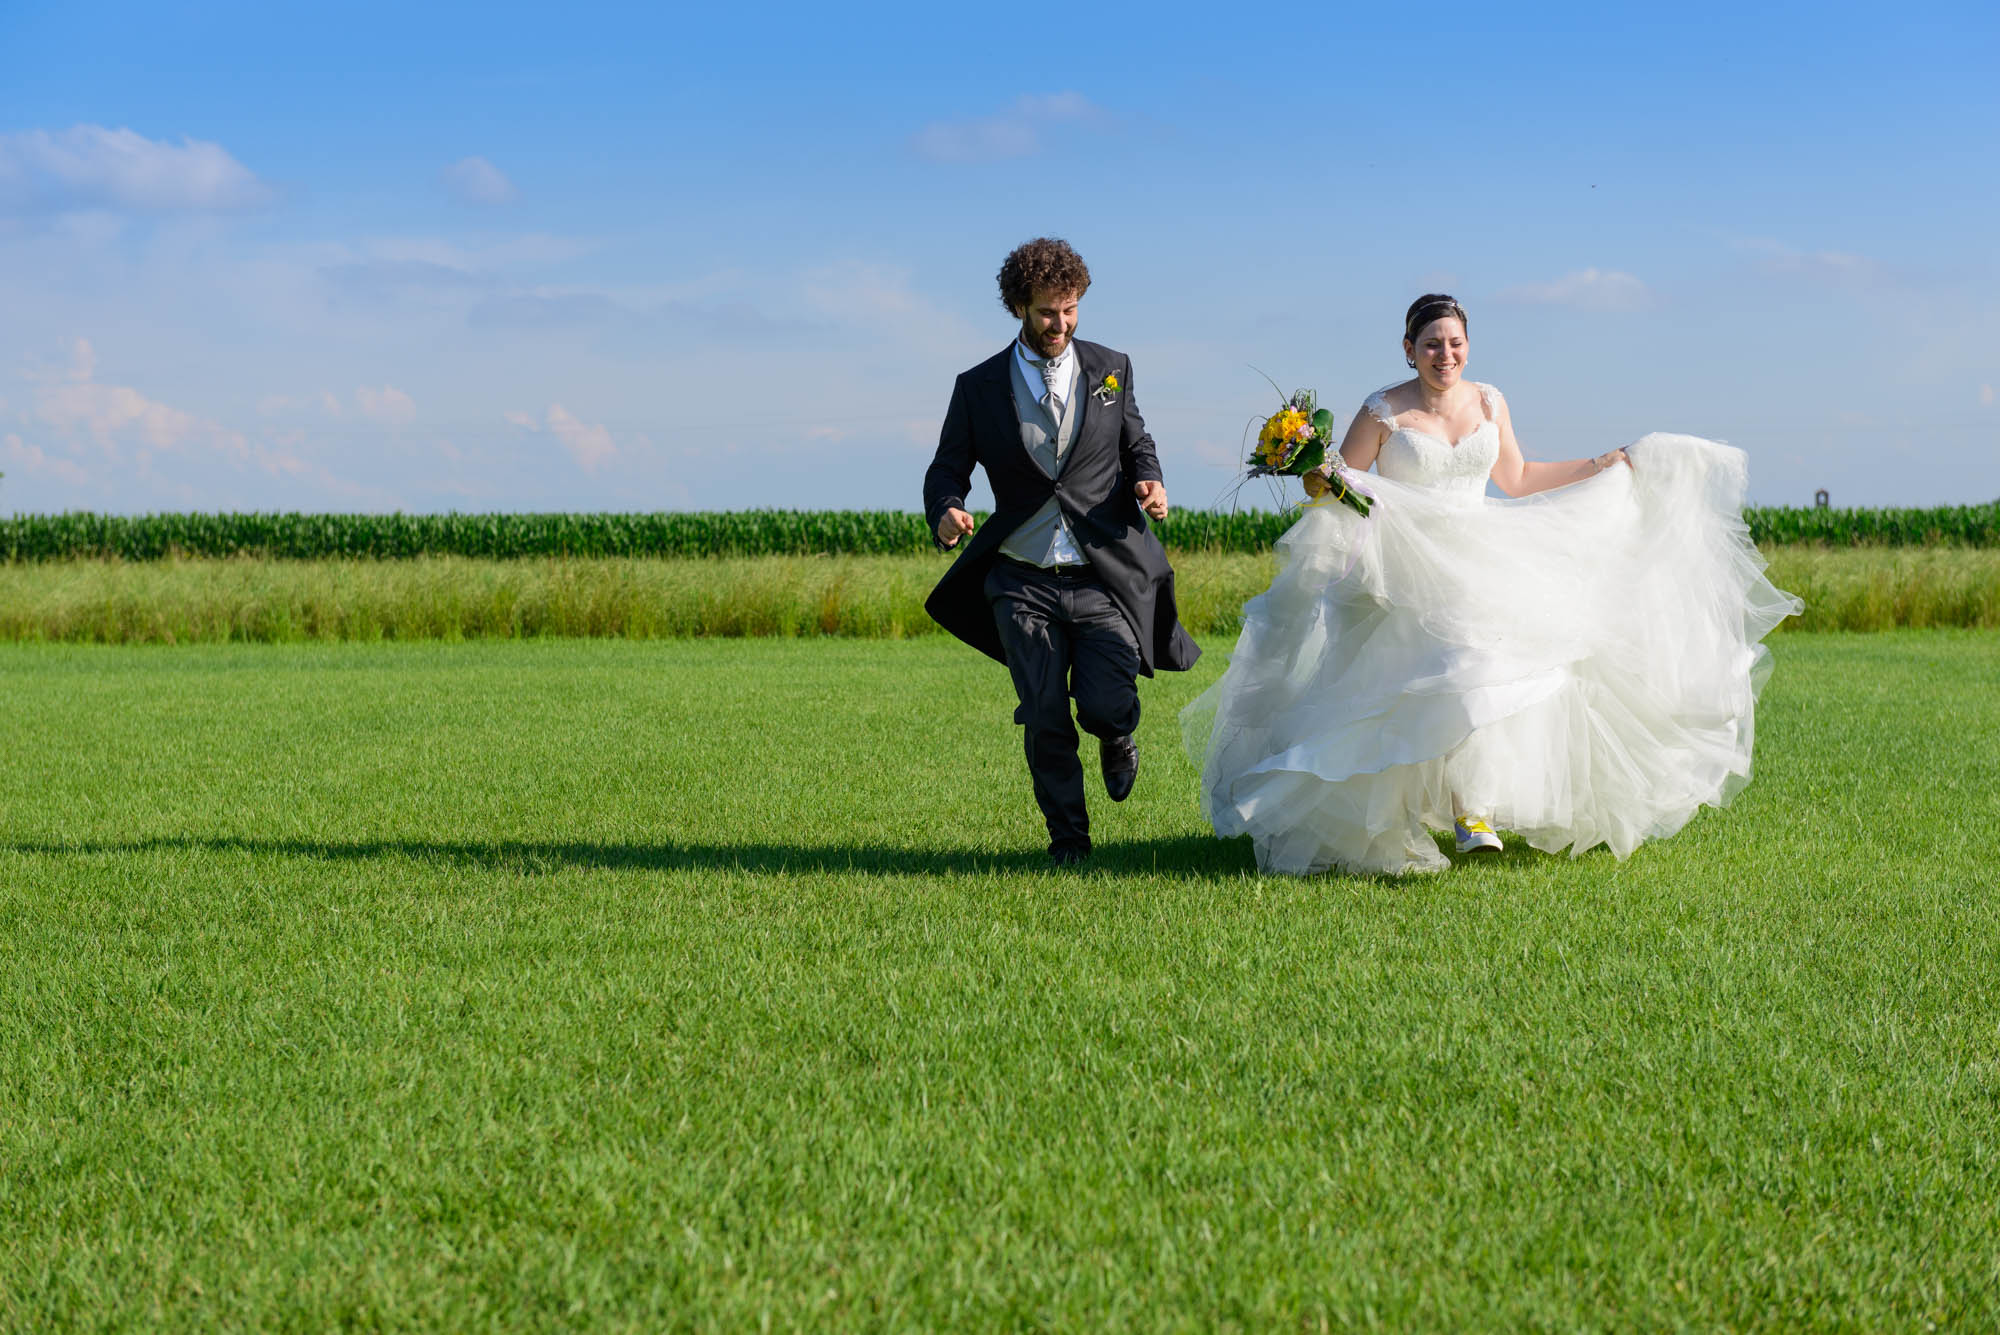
<point x="1298" y="439"/>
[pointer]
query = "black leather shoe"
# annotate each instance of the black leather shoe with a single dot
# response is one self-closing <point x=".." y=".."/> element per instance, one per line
<point x="1118" y="757"/>
<point x="1069" y="855"/>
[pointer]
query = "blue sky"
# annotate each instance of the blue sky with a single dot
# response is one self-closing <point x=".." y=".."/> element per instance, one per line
<point x="497" y="257"/>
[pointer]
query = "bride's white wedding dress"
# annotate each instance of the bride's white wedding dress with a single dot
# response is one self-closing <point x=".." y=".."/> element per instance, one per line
<point x="1579" y="666"/>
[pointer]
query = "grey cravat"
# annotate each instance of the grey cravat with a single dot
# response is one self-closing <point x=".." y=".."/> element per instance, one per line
<point x="1049" y="378"/>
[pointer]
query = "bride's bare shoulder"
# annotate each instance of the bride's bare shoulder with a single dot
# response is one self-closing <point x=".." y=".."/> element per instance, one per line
<point x="1400" y="396"/>
<point x="1390" y="400"/>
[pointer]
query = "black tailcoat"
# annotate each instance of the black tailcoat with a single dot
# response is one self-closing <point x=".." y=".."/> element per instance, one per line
<point x="1109" y="453"/>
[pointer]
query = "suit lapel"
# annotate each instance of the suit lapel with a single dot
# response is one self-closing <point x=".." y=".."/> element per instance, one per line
<point x="1088" y="373"/>
<point x="1003" y="417"/>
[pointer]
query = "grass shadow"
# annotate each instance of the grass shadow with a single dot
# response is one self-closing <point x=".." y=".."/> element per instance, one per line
<point x="1191" y="857"/>
<point x="1183" y="858"/>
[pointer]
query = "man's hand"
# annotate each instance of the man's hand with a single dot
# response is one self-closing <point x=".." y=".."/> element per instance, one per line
<point x="955" y="525"/>
<point x="1152" y="498"/>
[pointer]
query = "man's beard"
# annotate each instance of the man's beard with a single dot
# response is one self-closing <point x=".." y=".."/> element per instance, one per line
<point x="1040" y="342"/>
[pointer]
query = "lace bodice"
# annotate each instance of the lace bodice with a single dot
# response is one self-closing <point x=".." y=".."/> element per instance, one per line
<point x="1420" y="458"/>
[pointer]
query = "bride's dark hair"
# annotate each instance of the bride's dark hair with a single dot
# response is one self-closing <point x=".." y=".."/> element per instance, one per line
<point x="1430" y="306"/>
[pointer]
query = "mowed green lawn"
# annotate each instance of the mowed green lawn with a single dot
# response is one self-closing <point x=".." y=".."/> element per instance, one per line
<point x="714" y="985"/>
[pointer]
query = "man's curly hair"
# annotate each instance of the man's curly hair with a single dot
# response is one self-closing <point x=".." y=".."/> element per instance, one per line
<point x="1044" y="263"/>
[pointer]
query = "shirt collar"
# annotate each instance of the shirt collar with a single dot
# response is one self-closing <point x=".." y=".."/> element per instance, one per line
<point x="1031" y="358"/>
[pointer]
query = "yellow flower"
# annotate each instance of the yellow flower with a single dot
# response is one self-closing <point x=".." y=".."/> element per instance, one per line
<point x="1111" y="383"/>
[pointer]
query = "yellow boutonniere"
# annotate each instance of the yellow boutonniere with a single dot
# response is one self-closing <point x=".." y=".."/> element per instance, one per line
<point x="1107" y="388"/>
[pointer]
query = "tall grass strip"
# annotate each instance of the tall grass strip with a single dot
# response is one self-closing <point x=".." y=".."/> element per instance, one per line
<point x="1890" y="588"/>
<point x="180" y="601"/>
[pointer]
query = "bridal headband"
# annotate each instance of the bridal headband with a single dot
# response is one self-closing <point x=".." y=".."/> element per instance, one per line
<point x="1428" y="309"/>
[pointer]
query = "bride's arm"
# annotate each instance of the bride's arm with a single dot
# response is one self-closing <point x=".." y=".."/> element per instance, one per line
<point x="1363" y="441"/>
<point x="1518" y="477"/>
<point x="1358" y="449"/>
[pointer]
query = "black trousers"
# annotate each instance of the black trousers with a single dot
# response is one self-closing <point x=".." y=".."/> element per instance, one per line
<point x="1065" y="639"/>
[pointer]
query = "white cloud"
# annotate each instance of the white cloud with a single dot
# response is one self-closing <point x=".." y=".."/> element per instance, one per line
<point x="428" y="250"/>
<point x="1986" y="395"/>
<point x="992" y="139"/>
<point x="901" y="322"/>
<point x="77" y="405"/>
<point x="533" y="248"/>
<point x="529" y="248"/>
<point x="1584" y="289"/>
<point x="114" y="443"/>
<point x="1057" y="107"/>
<point x="590" y="446"/>
<point x="474" y="180"/>
<point x="82" y="360"/>
<point x="1016" y="132"/>
<point x="1216" y="454"/>
<point x="89" y="166"/>
<point x="438" y="275"/>
<point x="388" y="405"/>
<point x="122" y="423"/>
<point x="1823" y="266"/>
<point x="35" y="462"/>
<point x="864" y="292"/>
<point x="329" y="402"/>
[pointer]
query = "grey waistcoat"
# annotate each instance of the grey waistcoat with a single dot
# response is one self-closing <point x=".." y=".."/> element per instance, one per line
<point x="1047" y="441"/>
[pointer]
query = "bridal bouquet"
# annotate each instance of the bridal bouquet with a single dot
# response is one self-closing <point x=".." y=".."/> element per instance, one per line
<point x="1297" y="439"/>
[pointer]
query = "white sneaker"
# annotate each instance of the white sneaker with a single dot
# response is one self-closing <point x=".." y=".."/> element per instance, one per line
<point x="1475" y="835"/>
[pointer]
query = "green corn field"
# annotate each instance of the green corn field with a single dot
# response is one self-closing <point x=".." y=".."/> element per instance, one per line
<point x="308" y="537"/>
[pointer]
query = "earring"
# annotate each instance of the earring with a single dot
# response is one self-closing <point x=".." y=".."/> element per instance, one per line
<point x="1410" y="362"/>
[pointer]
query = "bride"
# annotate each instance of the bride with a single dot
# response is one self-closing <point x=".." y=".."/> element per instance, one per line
<point x="1579" y="664"/>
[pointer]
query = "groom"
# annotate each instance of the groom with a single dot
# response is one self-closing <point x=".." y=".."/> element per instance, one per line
<point x="1065" y="583"/>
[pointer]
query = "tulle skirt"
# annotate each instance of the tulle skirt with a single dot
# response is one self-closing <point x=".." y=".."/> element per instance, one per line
<point x="1580" y="667"/>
